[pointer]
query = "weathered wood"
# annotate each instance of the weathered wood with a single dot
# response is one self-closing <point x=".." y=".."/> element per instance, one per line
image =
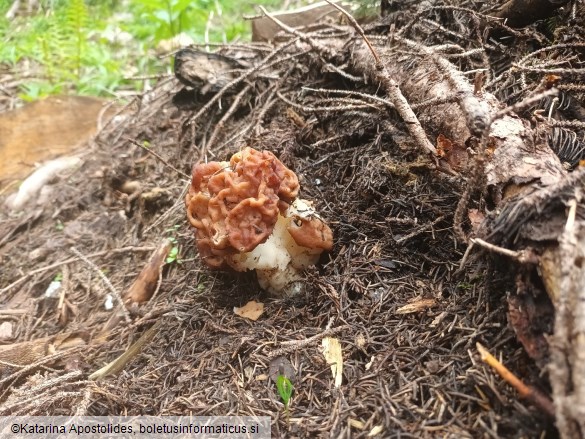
<point x="264" y="29"/>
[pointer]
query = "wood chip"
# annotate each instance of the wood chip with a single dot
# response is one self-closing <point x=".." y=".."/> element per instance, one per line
<point x="251" y="310"/>
<point x="416" y="306"/>
<point x="5" y="330"/>
<point x="334" y="357"/>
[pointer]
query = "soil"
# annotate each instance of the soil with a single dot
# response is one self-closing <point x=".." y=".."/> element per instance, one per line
<point x="391" y="290"/>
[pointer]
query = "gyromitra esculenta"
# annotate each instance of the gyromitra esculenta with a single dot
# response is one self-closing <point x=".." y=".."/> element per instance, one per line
<point x="247" y="216"/>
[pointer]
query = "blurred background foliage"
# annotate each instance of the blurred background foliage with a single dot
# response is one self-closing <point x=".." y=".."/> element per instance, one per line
<point x="98" y="47"/>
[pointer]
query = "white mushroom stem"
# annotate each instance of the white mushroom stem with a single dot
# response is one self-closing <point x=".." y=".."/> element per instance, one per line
<point x="279" y="260"/>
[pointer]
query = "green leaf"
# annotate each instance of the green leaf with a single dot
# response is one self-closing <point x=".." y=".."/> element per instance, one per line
<point x="172" y="256"/>
<point x="285" y="388"/>
<point x="181" y="5"/>
<point x="163" y="16"/>
<point x="65" y="42"/>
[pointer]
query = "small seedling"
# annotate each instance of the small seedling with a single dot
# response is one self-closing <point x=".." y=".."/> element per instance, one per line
<point x="173" y="256"/>
<point x="465" y="286"/>
<point x="285" y="389"/>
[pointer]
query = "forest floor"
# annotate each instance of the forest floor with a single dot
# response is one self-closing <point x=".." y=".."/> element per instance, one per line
<point x="391" y="290"/>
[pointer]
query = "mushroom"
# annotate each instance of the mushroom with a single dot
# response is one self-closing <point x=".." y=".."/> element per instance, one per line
<point x="247" y="216"/>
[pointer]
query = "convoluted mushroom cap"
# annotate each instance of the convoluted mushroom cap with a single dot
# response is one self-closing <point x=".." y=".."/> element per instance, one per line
<point x="247" y="216"/>
<point x="279" y="261"/>
<point x="234" y="206"/>
<point x="307" y="228"/>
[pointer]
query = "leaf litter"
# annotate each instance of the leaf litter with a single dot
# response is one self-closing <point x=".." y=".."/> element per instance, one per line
<point x="391" y="211"/>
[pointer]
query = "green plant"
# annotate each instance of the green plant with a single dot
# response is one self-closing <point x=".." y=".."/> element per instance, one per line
<point x="163" y="19"/>
<point x="285" y="389"/>
<point x="31" y="91"/>
<point x="173" y="255"/>
<point x="62" y="46"/>
<point x="167" y="17"/>
<point x="69" y="46"/>
<point x="76" y="28"/>
<point x="59" y="226"/>
<point x="54" y="50"/>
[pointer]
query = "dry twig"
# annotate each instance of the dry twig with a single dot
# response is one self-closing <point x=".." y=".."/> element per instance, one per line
<point x="529" y="393"/>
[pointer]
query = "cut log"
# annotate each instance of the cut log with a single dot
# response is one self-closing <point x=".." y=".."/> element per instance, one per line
<point x="264" y="29"/>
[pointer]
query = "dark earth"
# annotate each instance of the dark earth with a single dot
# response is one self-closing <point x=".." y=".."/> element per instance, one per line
<point x="392" y="290"/>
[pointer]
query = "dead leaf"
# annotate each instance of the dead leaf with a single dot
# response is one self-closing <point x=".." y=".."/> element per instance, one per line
<point x="295" y="118"/>
<point x="550" y="270"/>
<point x="251" y="310"/>
<point x="416" y="306"/>
<point x="29" y="352"/>
<point x="70" y="341"/>
<point x="452" y="153"/>
<point x="145" y="284"/>
<point x="478" y="83"/>
<point x="528" y="317"/>
<point x="437" y="320"/>
<point x="475" y="218"/>
<point x="551" y="81"/>
<point x="130" y="186"/>
<point x="334" y="357"/>
<point x="23" y="354"/>
<point x="248" y="372"/>
<point x="360" y="341"/>
<point x="356" y="424"/>
<point x="444" y="146"/>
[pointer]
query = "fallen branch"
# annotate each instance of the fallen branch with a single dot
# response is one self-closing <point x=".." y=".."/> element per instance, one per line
<point x="385" y="77"/>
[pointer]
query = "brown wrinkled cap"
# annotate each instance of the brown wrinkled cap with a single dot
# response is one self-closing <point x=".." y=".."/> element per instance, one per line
<point x="311" y="233"/>
<point x="235" y="205"/>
